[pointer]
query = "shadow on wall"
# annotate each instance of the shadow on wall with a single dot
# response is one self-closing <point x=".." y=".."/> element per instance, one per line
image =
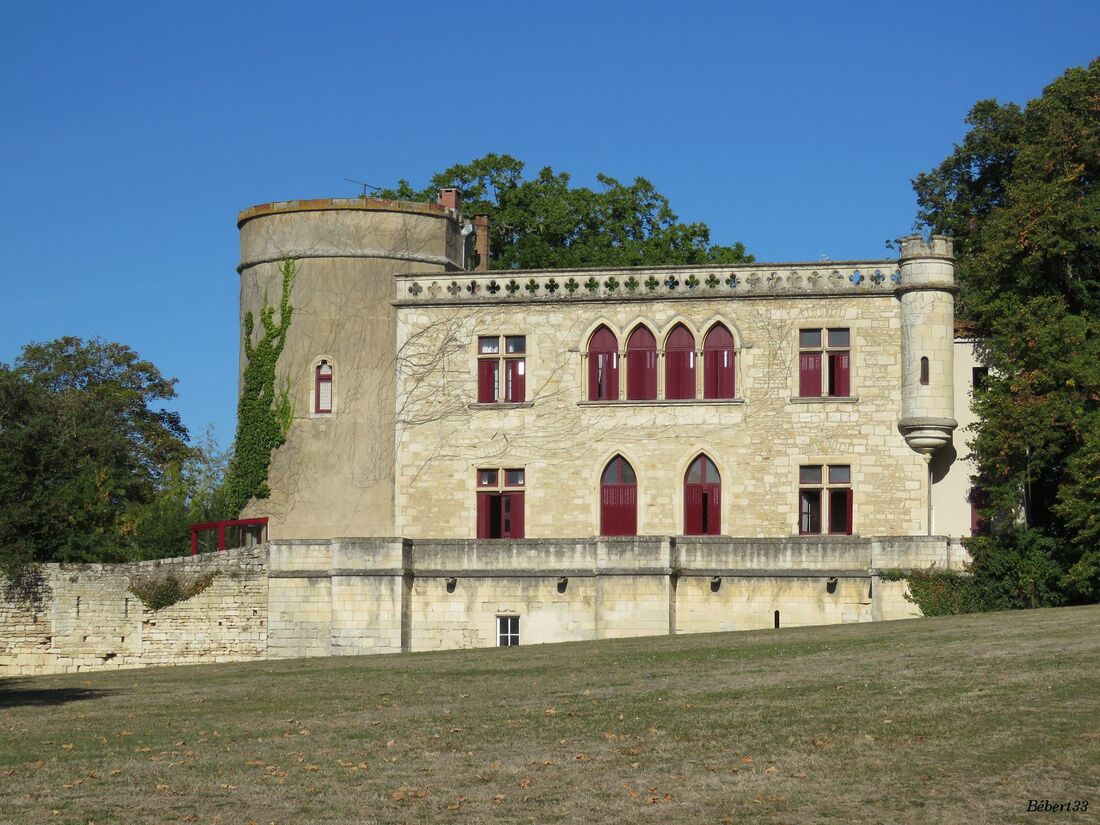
<point x="21" y="692"/>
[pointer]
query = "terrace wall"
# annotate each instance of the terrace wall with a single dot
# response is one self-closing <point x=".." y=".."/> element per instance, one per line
<point x="357" y="596"/>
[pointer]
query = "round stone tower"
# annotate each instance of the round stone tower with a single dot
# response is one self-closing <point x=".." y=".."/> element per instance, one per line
<point x="927" y="294"/>
<point x="334" y="476"/>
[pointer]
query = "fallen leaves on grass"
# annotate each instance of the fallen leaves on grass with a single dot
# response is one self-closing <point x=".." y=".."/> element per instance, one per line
<point x="405" y="792"/>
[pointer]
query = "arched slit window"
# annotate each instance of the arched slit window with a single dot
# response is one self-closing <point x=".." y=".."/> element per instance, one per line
<point x="680" y="363"/>
<point x="702" y="499"/>
<point x="603" y="366"/>
<point x="924" y="370"/>
<point x="718" y="363"/>
<point x="641" y="365"/>
<point x="322" y="394"/>
<point x="618" y="499"/>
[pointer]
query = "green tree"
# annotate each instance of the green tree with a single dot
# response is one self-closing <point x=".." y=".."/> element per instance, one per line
<point x="545" y="223"/>
<point x="1020" y="195"/>
<point x="81" y="443"/>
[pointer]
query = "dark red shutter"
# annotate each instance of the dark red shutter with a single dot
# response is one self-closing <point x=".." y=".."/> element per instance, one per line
<point x="618" y="510"/>
<point x="641" y="366"/>
<point x="484" y="510"/>
<point x="718" y="363"/>
<point x="680" y="364"/>
<point x="849" y="520"/>
<point x="840" y="366"/>
<point x="714" y="509"/>
<point x="515" y="379"/>
<point x="487" y="381"/>
<point x="516" y="514"/>
<point x="809" y="374"/>
<point x="693" y="509"/>
<point x="603" y="366"/>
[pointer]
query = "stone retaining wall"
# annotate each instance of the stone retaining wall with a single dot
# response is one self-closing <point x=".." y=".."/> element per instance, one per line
<point x="357" y="596"/>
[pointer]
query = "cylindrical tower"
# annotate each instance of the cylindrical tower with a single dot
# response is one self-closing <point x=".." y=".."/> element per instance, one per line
<point x="334" y="476"/>
<point x="927" y="294"/>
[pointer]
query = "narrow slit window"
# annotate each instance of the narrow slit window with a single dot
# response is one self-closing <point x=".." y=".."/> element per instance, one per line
<point x="924" y="371"/>
<point x="322" y="400"/>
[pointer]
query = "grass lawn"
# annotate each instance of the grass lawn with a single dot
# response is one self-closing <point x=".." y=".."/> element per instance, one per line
<point x="960" y="719"/>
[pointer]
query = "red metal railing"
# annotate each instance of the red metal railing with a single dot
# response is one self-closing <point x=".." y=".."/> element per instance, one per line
<point x="241" y="532"/>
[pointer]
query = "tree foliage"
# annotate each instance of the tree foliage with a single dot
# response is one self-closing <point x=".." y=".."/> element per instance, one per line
<point x="85" y="449"/>
<point x="1021" y="197"/>
<point x="546" y="223"/>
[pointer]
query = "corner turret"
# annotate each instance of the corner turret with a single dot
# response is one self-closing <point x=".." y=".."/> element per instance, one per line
<point x="927" y="294"/>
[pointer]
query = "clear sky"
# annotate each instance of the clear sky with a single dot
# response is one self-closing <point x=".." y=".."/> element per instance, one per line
<point x="133" y="133"/>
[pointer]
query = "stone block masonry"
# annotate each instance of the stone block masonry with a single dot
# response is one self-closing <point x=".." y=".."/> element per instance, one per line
<point x="89" y="620"/>
<point x="298" y="598"/>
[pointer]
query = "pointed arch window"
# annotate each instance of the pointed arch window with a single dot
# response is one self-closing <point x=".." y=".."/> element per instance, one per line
<point x="641" y="365"/>
<point x="618" y="499"/>
<point x="680" y="363"/>
<point x="718" y="363"/>
<point x="322" y="388"/>
<point x="702" y="499"/>
<point x="603" y="366"/>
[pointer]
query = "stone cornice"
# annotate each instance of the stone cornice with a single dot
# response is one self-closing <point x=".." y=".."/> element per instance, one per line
<point x="796" y="280"/>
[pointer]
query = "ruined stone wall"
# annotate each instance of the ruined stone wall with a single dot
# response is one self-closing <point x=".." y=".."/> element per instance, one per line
<point x="89" y="620"/>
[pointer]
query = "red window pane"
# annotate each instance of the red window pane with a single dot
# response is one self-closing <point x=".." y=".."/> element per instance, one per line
<point x="603" y="366"/>
<point x="487" y="371"/>
<point x="680" y="364"/>
<point x="486" y="478"/>
<point x="641" y="366"/>
<point x="514" y="380"/>
<point x="513" y="478"/>
<point x="809" y="374"/>
<point x="718" y="364"/>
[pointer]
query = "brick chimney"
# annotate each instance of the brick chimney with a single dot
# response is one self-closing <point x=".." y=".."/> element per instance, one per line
<point x="451" y="198"/>
<point x="481" y="227"/>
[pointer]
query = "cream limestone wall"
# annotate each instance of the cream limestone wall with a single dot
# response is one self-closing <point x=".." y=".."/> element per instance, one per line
<point x="88" y="619"/>
<point x="563" y="442"/>
<point x="362" y="596"/>
<point x="335" y="474"/>
<point x="951" y="468"/>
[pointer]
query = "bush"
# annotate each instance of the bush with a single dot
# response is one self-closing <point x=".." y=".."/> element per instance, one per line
<point x="160" y="591"/>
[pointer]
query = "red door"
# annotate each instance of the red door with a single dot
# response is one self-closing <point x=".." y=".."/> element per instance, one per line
<point x="680" y="364"/>
<point x="702" y="499"/>
<point x="618" y="499"/>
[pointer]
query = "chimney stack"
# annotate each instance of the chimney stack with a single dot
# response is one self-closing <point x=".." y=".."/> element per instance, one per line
<point x="481" y="228"/>
<point x="451" y="198"/>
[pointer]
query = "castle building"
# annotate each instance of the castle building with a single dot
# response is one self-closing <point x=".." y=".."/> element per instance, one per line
<point x="485" y="457"/>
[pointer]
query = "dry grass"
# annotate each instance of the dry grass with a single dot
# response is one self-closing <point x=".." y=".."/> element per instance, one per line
<point x="936" y="720"/>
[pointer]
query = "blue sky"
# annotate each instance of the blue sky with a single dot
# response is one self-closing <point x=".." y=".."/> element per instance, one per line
<point x="133" y="133"/>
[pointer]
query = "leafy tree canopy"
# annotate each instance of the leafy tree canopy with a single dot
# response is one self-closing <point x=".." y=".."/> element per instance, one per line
<point x="545" y="223"/>
<point x="1021" y="196"/>
<point x="85" y="449"/>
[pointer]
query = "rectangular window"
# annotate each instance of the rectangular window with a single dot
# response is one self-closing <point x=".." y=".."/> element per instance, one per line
<point x="501" y="378"/>
<point x="824" y="370"/>
<point x="500" y="507"/>
<point x="507" y="631"/>
<point x="825" y="499"/>
<point x="978" y="376"/>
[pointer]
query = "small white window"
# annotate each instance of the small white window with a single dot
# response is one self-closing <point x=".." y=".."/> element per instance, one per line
<point x="507" y="631"/>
